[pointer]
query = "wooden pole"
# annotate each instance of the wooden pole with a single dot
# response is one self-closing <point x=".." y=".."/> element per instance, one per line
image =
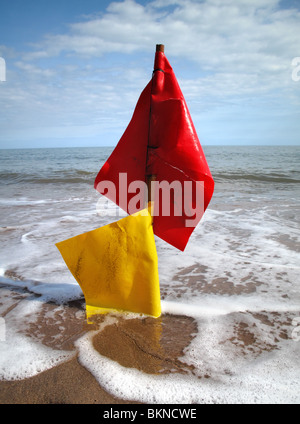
<point x="160" y="48"/>
<point x="150" y="178"/>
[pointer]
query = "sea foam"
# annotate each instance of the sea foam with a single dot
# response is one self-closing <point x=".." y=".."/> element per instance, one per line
<point x="260" y="382"/>
<point x="237" y="278"/>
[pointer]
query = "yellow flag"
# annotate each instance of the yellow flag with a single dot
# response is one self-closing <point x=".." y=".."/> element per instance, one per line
<point x="116" y="266"/>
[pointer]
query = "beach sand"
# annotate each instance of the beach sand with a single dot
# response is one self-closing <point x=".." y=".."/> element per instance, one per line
<point x="68" y="383"/>
<point x="147" y="344"/>
<point x="152" y="346"/>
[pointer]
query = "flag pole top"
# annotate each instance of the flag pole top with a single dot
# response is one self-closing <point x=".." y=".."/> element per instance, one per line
<point x="160" y="48"/>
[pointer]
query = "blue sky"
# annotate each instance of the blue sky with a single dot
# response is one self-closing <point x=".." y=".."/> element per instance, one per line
<point x="75" y="68"/>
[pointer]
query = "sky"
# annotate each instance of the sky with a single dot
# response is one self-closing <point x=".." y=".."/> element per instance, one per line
<point x="74" y="69"/>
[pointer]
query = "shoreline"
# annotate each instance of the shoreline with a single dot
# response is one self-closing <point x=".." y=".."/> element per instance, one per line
<point x="147" y="344"/>
<point x="133" y="343"/>
<point x="221" y="358"/>
<point x="67" y="383"/>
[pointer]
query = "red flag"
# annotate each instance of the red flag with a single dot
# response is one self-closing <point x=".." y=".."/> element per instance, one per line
<point x="161" y="143"/>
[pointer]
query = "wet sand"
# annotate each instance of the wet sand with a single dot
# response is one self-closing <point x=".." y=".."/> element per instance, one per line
<point x="68" y="383"/>
<point x="152" y="346"/>
<point x="147" y="344"/>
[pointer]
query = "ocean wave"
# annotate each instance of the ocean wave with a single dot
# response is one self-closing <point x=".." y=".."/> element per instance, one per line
<point x="65" y="176"/>
<point x="274" y="178"/>
<point x="81" y="176"/>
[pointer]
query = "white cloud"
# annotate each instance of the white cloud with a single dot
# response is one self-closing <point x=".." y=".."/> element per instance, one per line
<point x="226" y="52"/>
<point x="219" y="35"/>
<point x="35" y="70"/>
<point x="67" y="101"/>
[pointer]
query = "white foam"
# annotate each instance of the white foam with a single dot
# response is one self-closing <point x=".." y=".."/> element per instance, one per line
<point x="24" y="202"/>
<point x="56" y="292"/>
<point x="239" y="243"/>
<point x="209" y="306"/>
<point x="262" y="382"/>
<point x="59" y="293"/>
<point x="20" y="356"/>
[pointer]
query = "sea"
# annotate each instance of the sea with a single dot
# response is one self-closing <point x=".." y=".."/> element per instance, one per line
<point x="238" y="278"/>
